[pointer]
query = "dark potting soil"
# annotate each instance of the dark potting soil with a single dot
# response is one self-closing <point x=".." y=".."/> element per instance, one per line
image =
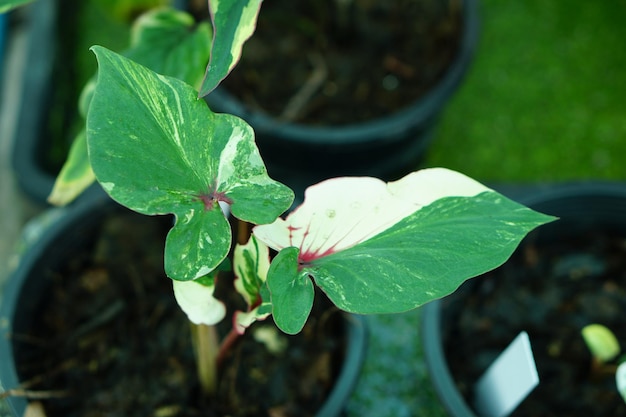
<point x="110" y="340"/>
<point x="551" y="290"/>
<point x="333" y="62"/>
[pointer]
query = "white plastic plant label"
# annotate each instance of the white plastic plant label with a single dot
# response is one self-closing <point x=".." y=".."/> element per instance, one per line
<point x="620" y="379"/>
<point x="505" y="384"/>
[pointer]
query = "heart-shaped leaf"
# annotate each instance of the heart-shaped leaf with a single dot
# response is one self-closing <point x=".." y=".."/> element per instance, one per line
<point x="156" y="148"/>
<point x="383" y="248"/>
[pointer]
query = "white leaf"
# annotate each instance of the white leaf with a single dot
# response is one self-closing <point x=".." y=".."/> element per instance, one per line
<point x="342" y="212"/>
<point x="243" y="320"/>
<point x="197" y="301"/>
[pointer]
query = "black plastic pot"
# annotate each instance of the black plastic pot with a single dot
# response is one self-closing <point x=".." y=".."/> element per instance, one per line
<point x="39" y="149"/>
<point x="581" y="208"/>
<point x="389" y="147"/>
<point x="31" y="140"/>
<point x="74" y="228"/>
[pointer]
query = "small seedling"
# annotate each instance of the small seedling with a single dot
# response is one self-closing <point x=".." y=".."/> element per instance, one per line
<point x="605" y="349"/>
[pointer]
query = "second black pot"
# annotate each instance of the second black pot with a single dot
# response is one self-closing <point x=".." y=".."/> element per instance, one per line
<point x="388" y="147"/>
<point x="583" y="209"/>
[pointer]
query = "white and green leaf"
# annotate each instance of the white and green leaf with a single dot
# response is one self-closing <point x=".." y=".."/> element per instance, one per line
<point x="234" y="21"/>
<point x="156" y="148"/>
<point x="251" y="263"/>
<point x="76" y="174"/>
<point x="196" y="299"/>
<point x="171" y="43"/>
<point x="244" y="319"/>
<point x="165" y="40"/>
<point x="384" y="248"/>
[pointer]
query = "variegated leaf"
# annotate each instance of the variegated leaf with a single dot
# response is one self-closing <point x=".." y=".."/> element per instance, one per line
<point x="384" y="248"/>
<point x="75" y="175"/>
<point x="196" y="299"/>
<point x="168" y="42"/>
<point x="156" y="148"/>
<point x="244" y="319"/>
<point x="251" y="262"/>
<point x="234" y="21"/>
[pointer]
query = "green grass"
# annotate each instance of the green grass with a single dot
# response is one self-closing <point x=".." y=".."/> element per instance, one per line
<point x="545" y="98"/>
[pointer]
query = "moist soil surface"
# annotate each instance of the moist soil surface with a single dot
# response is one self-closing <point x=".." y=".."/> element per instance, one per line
<point x="552" y="291"/>
<point x="333" y="62"/>
<point x="110" y="340"/>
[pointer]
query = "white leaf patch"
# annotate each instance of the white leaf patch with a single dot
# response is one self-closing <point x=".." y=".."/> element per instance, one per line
<point x="197" y="301"/>
<point x="339" y="213"/>
<point x="243" y="320"/>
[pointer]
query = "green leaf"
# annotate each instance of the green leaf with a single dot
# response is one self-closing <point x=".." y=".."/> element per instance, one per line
<point x="291" y="292"/>
<point x="75" y="175"/>
<point x="171" y="43"/>
<point x="384" y="248"/>
<point x="601" y="342"/>
<point x="156" y="148"/>
<point x="168" y="42"/>
<point x="8" y="5"/>
<point x="427" y="255"/>
<point x="234" y="21"/>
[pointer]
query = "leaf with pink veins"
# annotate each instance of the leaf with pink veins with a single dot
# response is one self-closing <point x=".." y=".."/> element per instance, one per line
<point x="377" y="248"/>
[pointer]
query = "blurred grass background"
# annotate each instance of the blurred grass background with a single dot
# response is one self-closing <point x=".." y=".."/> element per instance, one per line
<point x="545" y="97"/>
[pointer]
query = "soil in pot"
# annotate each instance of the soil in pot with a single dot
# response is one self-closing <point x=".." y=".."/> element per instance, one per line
<point x="334" y="62"/>
<point x="110" y="340"/>
<point x="551" y="290"/>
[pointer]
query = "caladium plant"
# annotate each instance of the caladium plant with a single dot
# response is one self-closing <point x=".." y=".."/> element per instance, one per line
<point x="372" y="247"/>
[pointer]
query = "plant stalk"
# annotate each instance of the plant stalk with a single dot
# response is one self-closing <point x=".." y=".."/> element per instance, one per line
<point x="206" y="344"/>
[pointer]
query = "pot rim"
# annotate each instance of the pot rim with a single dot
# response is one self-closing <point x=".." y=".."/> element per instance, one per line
<point x="420" y="112"/>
